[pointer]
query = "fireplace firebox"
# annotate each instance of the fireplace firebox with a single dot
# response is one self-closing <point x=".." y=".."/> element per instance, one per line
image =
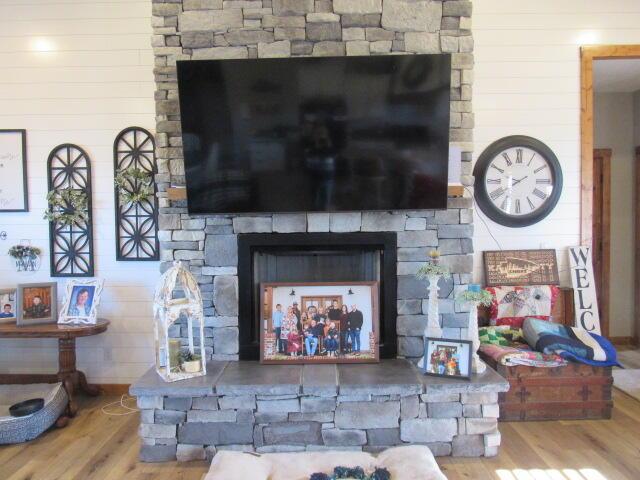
<point x="315" y="257"/>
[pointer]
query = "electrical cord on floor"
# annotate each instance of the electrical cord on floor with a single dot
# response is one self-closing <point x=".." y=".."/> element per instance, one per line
<point x="120" y="404"/>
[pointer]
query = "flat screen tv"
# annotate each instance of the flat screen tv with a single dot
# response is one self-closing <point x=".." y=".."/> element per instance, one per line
<point x="315" y="134"/>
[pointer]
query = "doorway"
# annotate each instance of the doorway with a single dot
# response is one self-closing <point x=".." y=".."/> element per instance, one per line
<point x="602" y="229"/>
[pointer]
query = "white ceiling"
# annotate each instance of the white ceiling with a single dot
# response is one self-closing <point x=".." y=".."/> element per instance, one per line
<point x="616" y="75"/>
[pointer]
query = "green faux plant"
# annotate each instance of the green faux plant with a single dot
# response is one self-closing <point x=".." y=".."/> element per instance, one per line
<point x="433" y="267"/>
<point x="187" y="356"/>
<point x="67" y="206"/>
<point x="482" y="297"/>
<point x="134" y="185"/>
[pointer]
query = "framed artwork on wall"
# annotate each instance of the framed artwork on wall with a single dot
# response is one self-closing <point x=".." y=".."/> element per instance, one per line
<point x="37" y="303"/>
<point x="329" y="322"/>
<point x="520" y="268"/>
<point x="13" y="171"/>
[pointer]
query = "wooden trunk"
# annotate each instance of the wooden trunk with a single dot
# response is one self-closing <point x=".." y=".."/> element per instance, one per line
<point x="573" y="392"/>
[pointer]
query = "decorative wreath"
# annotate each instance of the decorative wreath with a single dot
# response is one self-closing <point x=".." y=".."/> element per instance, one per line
<point x="482" y="297"/>
<point x="67" y="206"/>
<point x="134" y="185"/>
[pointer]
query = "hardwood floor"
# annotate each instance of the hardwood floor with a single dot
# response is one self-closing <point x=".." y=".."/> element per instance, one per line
<point x="97" y="446"/>
<point x="630" y="358"/>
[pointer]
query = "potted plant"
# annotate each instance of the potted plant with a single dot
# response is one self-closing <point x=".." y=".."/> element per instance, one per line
<point x="26" y="257"/>
<point x="190" y="362"/>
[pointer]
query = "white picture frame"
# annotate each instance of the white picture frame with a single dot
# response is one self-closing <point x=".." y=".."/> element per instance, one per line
<point x="13" y="171"/>
<point x="81" y="300"/>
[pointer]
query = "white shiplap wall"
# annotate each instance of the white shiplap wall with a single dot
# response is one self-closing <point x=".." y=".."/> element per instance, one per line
<point x="527" y="81"/>
<point x="96" y="80"/>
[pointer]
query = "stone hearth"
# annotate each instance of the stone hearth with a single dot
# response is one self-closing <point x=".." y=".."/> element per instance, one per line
<point x="268" y="408"/>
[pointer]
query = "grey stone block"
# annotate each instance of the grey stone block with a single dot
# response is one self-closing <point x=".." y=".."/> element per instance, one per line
<point x="320" y="380"/>
<point x="269" y="417"/>
<point x="188" y="453"/>
<point x="413" y="254"/>
<point x="345" y="222"/>
<point x="440" y="397"/>
<point x="455" y="320"/>
<point x="409" y="407"/>
<point x="479" y="398"/>
<point x="481" y="425"/>
<point x="491" y="410"/>
<point x="403" y="16"/>
<point x="455" y="231"/>
<point x="245" y="416"/>
<point x="279" y="406"/>
<point x="423" y="430"/>
<point x="458" y="263"/>
<point x="322" y="417"/>
<point x="157" y="453"/>
<point x="197" y="40"/>
<point x="292" y="7"/>
<point x="169" y="417"/>
<point x="425" y="238"/>
<point x="339" y="438"/>
<point x="215" y="433"/>
<point x="361" y="20"/>
<point x="319" y="32"/>
<point x="317" y="404"/>
<point x="221" y="251"/>
<point x="252" y="224"/>
<point x="468" y="446"/>
<point x="411" y="325"/>
<point x="211" y="416"/>
<point x="293" y="433"/>
<point x="383" y="437"/>
<point x="329" y="49"/>
<point x="151" y="384"/>
<point x="303" y="48"/>
<point x="409" y="307"/>
<point x="358" y="47"/>
<point x="416" y="223"/>
<point x="444" y="409"/>
<point x="205" y="403"/>
<point x="280" y="449"/>
<point x="317" y="222"/>
<point x="440" y="449"/>
<point x="237" y="402"/>
<point x="225" y="340"/>
<point x="209" y="20"/>
<point x="225" y="296"/>
<point x="149" y="401"/>
<point x="410" y="347"/>
<point x="357" y="6"/>
<point x="472" y="410"/>
<point x="362" y="415"/>
<point x="152" y="430"/>
<point x="289" y="222"/>
<point x="449" y="246"/>
<point x="383" y="222"/>
<point x="391" y="377"/>
<point x="458" y="8"/>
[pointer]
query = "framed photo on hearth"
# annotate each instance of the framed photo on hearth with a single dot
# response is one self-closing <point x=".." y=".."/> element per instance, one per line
<point x="450" y="358"/>
<point x="328" y="322"/>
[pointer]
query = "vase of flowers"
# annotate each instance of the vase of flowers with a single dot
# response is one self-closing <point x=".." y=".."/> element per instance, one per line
<point x="26" y="257"/>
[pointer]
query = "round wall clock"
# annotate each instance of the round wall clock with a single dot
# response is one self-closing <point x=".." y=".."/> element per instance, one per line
<point x="518" y="181"/>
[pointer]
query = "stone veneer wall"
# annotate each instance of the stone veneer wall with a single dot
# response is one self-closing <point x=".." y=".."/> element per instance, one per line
<point x="194" y="428"/>
<point x="217" y="29"/>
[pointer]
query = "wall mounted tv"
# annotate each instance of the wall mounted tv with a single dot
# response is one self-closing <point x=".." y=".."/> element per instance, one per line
<point x="315" y="134"/>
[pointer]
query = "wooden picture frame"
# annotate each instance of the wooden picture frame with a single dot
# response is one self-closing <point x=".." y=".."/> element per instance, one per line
<point x="14" y="194"/>
<point x="458" y="353"/>
<point x="335" y="344"/>
<point x="520" y="268"/>
<point x="29" y="313"/>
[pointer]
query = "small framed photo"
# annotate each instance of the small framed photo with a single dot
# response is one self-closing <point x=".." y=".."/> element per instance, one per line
<point x="447" y="358"/>
<point x="13" y="171"/>
<point x="81" y="302"/>
<point x="37" y="303"/>
<point x="8" y="305"/>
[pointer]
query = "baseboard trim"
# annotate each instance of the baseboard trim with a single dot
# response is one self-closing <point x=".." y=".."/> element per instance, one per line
<point x="113" y="388"/>
<point x="624" y="340"/>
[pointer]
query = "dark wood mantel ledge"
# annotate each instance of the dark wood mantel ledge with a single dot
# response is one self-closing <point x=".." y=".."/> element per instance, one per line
<point x="389" y="377"/>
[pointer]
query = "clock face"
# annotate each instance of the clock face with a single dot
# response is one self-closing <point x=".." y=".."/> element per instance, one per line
<point x="519" y="181"/>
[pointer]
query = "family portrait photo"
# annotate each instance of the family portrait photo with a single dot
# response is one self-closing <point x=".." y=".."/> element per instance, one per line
<point x="448" y="358"/>
<point x="37" y="303"/>
<point x="319" y="322"/>
<point x="7" y="306"/>
<point x="81" y="301"/>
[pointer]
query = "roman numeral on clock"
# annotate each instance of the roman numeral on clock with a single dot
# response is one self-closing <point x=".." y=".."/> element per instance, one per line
<point x="540" y="168"/>
<point x="493" y="181"/>
<point x="517" y="205"/>
<point x="518" y="155"/>
<point x="531" y="159"/>
<point x="539" y="194"/>
<point x="497" y="168"/>
<point x="497" y="193"/>
<point x="531" y="205"/>
<point x="505" y="155"/>
<point x="543" y="181"/>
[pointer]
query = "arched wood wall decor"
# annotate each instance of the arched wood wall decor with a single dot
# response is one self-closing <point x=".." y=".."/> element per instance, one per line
<point x="71" y="246"/>
<point x="136" y="223"/>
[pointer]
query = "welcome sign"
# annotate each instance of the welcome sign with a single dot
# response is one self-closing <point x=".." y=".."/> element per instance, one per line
<point x="584" y="289"/>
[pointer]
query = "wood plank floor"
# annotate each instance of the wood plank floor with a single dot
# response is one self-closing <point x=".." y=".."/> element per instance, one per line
<point x="97" y="446"/>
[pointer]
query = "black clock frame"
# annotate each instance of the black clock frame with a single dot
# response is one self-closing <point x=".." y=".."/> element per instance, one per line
<point x="480" y="173"/>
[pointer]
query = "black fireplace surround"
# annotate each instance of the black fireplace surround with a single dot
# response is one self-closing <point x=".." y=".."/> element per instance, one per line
<point x="315" y="257"/>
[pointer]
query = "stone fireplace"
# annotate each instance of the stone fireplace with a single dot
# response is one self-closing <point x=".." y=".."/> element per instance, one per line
<point x="213" y="246"/>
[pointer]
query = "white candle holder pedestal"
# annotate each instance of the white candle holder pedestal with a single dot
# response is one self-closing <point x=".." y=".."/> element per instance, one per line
<point x="433" y="328"/>
<point x="477" y="365"/>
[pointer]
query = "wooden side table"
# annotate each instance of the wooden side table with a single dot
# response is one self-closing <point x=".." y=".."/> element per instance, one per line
<point x="72" y="379"/>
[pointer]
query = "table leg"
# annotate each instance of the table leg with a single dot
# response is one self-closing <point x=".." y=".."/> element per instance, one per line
<point x="86" y="387"/>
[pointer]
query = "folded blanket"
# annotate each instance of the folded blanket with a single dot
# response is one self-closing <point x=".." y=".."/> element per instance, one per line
<point x="570" y="343"/>
<point x="506" y="346"/>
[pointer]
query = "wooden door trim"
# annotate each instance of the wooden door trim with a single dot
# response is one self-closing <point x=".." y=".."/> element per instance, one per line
<point x="588" y="54"/>
<point x="636" y="327"/>
<point x="604" y="282"/>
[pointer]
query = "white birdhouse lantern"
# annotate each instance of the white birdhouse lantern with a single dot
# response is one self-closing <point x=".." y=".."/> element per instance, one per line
<point x="179" y="326"/>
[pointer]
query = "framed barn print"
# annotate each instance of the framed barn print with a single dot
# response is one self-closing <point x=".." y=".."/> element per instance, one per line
<point x="520" y="268"/>
<point x="13" y="171"/>
<point x="331" y="322"/>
